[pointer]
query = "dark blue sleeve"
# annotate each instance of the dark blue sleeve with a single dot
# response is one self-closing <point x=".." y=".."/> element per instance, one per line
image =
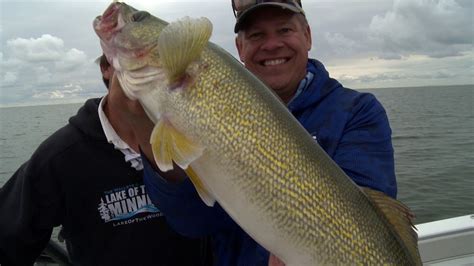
<point x="189" y="216"/>
<point x="183" y="208"/>
<point x="365" y="150"/>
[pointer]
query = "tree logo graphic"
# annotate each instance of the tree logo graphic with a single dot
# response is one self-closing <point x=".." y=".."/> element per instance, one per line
<point x="104" y="211"/>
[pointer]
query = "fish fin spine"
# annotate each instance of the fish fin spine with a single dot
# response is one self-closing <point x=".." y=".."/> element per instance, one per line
<point x="202" y="190"/>
<point x="169" y="145"/>
<point x="180" y="44"/>
<point x="400" y="217"/>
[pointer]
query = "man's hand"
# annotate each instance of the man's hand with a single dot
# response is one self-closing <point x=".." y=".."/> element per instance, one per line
<point x="274" y="261"/>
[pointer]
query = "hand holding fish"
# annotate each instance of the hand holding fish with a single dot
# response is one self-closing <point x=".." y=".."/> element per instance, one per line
<point x="274" y="261"/>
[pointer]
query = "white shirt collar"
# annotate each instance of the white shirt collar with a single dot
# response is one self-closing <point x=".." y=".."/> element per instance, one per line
<point x="112" y="137"/>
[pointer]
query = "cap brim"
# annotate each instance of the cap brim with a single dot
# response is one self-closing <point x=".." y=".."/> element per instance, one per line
<point x="245" y="14"/>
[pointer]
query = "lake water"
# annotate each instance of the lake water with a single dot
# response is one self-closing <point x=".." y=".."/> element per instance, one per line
<point x="433" y="139"/>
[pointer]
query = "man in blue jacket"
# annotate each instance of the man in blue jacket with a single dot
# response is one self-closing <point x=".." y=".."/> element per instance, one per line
<point x="273" y="40"/>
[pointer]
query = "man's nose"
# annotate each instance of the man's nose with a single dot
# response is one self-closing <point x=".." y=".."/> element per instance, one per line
<point x="272" y="42"/>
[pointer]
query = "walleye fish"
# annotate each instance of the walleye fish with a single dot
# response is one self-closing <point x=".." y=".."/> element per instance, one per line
<point x="241" y="146"/>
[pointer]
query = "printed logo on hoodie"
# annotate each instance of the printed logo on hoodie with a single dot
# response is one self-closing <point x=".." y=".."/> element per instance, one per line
<point x="121" y="205"/>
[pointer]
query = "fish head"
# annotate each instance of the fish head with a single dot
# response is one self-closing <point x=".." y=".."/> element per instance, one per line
<point x="129" y="36"/>
<point x="153" y="60"/>
<point x="129" y="40"/>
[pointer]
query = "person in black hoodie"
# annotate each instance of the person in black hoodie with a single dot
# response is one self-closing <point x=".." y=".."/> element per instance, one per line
<point x="87" y="177"/>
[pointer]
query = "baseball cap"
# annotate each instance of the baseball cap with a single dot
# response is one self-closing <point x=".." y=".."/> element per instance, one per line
<point x="243" y="8"/>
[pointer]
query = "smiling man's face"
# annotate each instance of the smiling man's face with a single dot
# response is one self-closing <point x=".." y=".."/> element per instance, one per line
<point x="274" y="46"/>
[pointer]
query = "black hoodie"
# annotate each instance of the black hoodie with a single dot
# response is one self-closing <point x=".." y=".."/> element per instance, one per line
<point x="80" y="181"/>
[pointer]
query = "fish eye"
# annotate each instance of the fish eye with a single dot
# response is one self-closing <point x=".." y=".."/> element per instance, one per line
<point x="139" y="16"/>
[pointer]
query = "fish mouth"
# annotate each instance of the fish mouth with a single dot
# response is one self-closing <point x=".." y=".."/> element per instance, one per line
<point x="108" y="23"/>
<point x="110" y="27"/>
<point x="111" y="11"/>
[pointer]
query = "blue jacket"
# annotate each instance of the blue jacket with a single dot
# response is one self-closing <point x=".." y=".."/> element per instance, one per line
<point x="352" y="127"/>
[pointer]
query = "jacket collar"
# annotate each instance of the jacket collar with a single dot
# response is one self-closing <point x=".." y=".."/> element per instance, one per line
<point x="87" y="120"/>
<point x="313" y="90"/>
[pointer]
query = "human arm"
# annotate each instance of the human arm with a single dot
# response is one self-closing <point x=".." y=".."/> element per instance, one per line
<point x="365" y="150"/>
<point x="28" y="212"/>
<point x="182" y="206"/>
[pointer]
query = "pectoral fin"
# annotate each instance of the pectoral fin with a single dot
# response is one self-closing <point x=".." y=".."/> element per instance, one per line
<point x="203" y="192"/>
<point x="400" y="217"/>
<point x="169" y="145"/>
<point x="181" y="43"/>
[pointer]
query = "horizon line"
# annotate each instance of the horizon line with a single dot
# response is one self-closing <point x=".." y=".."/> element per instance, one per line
<point x="79" y="101"/>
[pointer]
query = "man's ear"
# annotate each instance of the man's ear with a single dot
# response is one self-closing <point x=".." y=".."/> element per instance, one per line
<point x="103" y="69"/>
<point x="238" y="44"/>
<point x="307" y="34"/>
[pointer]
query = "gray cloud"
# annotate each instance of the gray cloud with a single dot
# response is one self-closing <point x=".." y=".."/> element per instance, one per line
<point x="340" y="44"/>
<point x="436" y="28"/>
<point x="67" y="92"/>
<point x="43" y="51"/>
<point x="49" y="56"/>
<point x="46" y="48"/>
<point x="9" y="77"/>
<point x="72" y="60"/>
<point x="389" y="77"/>
<point x="44" y="69"/>
<point x="410" y="72"/>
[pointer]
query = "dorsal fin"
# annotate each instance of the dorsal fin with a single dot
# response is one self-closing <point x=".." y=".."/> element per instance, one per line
<point x="400" y="217"/>
<point x="182" y="42"/>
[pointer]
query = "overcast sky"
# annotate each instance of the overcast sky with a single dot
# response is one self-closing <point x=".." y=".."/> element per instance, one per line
<point x="48" y="48"/>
